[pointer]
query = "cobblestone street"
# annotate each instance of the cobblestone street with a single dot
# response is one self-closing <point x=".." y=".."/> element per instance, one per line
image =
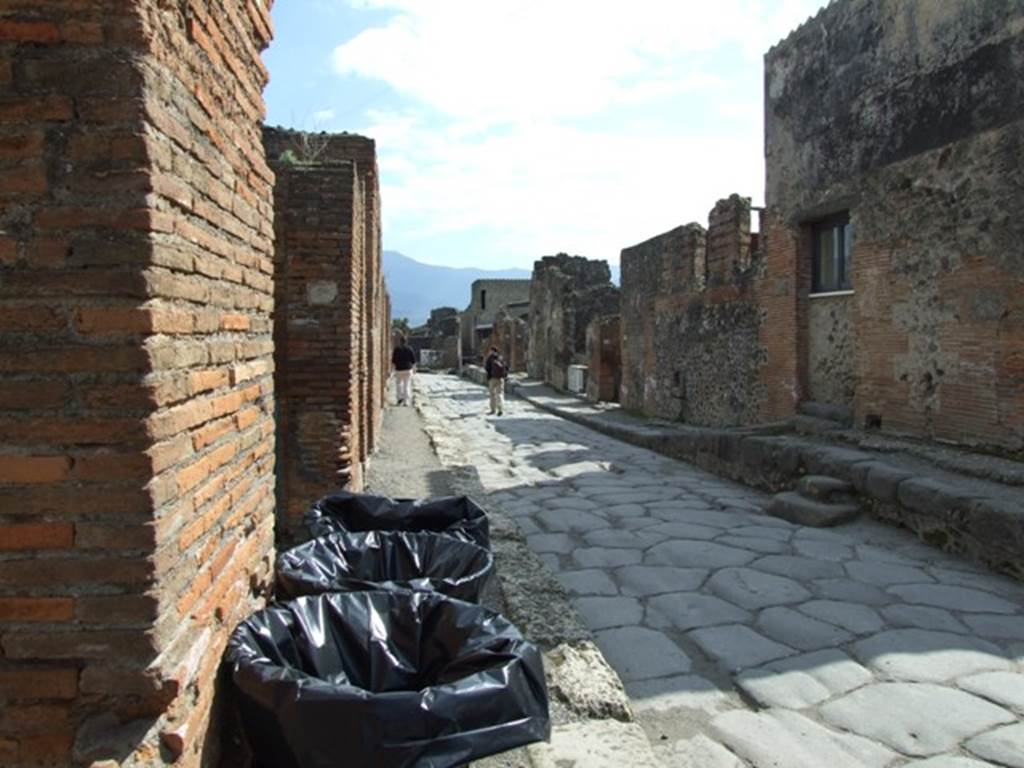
<point x="743" y="639"/>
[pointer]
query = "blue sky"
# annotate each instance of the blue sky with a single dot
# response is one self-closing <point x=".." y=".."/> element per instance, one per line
<point x="508" y="130"/>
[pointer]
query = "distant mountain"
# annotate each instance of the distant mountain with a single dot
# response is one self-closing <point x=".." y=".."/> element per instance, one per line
<point x="416" y="288"/>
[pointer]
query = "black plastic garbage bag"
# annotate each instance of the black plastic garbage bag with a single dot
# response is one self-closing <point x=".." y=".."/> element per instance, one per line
<point x="384" y="679"/>
<point x="457" y="516"/>
<point x="347" y="562"/>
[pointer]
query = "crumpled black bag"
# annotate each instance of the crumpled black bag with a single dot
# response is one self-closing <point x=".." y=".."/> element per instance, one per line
<point x="384" y="679"/>
<point x="348" y="562"/>
<point x="457" y="516"/>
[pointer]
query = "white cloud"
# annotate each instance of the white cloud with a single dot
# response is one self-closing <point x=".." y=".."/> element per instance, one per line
<point x="510" y="59"/>
<point x="565" y="124"/>
<point x="544" y="187"/>
<point x="322" y="116"/>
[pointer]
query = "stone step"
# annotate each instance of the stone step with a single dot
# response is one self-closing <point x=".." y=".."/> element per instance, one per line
<point x="812" y="425"/>
<point x="840" y="414"/>
<point x="791" y="506"/>
<point x="824" y="488"/>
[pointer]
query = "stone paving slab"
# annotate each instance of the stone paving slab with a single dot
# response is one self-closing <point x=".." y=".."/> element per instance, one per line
<point x="1004" y="746"/>
<point x="602" y="744"/>
<point x="737" y="647"/>
<point x="914" y="718"/>
<point x="702" y="603"/>
<point x="785" y="739"/>
<point x="802" y="681"/>
<point x="679" y="692"/>
<point x="699" y="751"/>
<point x="638" y="653"/>
<point x="923" y="656"/>
<point x="1003" y="688"/>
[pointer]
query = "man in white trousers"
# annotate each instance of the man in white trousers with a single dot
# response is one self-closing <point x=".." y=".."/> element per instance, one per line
<point x="403" y="360"/>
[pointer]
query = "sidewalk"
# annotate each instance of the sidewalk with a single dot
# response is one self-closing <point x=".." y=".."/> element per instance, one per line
<point x="958" y="501"/>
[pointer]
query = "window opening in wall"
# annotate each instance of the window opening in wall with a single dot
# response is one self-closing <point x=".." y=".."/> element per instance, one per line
<point x="830" y="267"/>
<point x="483" y="299"/>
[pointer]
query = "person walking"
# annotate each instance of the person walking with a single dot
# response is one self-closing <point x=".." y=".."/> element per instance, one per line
<point x="403" y="360"/>
<point x="496" y="373"/>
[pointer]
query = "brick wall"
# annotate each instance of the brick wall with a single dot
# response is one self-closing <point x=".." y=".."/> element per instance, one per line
<point x="604" y="358"/>
<point x="136" y="430"/>
<point x="332" y="347"/>
<point x="917" y="132"/>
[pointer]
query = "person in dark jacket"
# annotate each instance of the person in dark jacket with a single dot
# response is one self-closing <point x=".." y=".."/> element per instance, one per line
<point x="496" y="373"/>
<point x="403" y="360"/>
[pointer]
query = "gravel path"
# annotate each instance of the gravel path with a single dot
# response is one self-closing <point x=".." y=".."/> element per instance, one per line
<point x="745" y="640"/>
<point x="405" y="464"/>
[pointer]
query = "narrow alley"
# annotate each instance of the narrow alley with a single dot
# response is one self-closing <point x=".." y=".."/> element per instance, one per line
<point x="743" y="639"/>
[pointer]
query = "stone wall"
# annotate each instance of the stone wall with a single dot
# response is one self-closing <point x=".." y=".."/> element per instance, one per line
<point x="692" y="345"/>
<point x="566" y="293"/>
<point x="917" y="132"/>
<point x="511" y="336"/>
<point x="329" y="320"/>
<point x="487" y="299"/>
<point x="830" y="345"/>
<point x="444" y="330"/>
<point x="136" y="427"/>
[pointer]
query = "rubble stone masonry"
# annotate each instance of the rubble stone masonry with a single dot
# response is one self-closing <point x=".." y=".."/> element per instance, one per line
<point x="910" y="117"/>
<point x="136" y="398"/>
<point x="692" y="343"/>
<point x="566" y="293"/>
<point x="332" y="346"/>
<point x="510" y="334"/>
<point x="487" y="299"/>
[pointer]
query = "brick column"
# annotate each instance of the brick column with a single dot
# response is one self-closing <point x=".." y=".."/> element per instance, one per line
<point x="136" y="400"/>
<point x="320" y="292"/>
<point x="781" y="290"/>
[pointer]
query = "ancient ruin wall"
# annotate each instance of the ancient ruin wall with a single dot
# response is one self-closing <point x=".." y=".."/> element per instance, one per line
<point x="691" y="320"/>
<point x="136" y="429"/>
<point x="300" y="149"/>
<point x="918" y="133"/>
<point x="317" y="336"/>
<point x="511" y="336"/>
<point x="487" y="299"/>
<point x="566" y="293"/>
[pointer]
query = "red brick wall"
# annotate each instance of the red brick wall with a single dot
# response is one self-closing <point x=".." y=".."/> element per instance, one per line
<point x="333" y="346"/>
<point x="136" y="431"/>
<point x="604" y="358"/>
<point x="781" y="293"/>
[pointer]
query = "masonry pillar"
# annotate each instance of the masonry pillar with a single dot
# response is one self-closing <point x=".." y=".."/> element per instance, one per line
<point x="332" y="321"/>
<point x="136" y="393"/>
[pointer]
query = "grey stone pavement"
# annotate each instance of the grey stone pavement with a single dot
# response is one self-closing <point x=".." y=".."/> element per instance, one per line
<point x="744" y="640"/>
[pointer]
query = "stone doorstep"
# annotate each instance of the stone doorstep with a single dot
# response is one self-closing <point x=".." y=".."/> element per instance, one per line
<point x="822" y="487"/>
<point x="986" y="523"/>
<point x="801" y="510"/>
